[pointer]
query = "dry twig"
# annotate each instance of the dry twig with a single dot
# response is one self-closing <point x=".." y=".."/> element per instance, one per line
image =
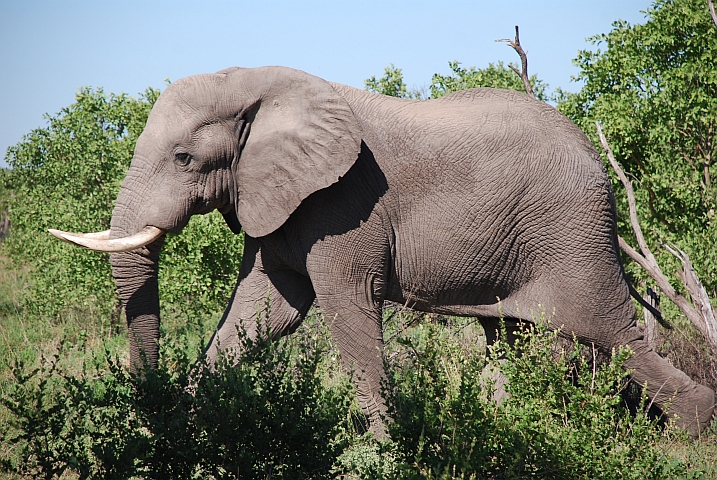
<point x="523" y="61"/>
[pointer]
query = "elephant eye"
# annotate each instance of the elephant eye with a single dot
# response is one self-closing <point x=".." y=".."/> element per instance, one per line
<point x="183" y="159"/>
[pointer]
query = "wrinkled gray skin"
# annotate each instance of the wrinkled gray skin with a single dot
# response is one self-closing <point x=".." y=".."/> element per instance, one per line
<point x="353" y="198"/>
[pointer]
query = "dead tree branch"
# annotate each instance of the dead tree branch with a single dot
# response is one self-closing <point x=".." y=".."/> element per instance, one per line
<point x="702" y="317"/>
<point x="698" y="293"/>
<point x="523" y="61"/>
<point x="712" y="11"/>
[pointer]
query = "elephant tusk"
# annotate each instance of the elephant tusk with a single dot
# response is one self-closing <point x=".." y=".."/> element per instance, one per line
<point x="100" y="241"/>
<point x="103" y="235"/>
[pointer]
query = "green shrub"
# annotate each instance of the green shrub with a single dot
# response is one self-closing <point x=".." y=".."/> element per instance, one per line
<point x="199" y="268"/>
<point x="286" y="410"/>
<point x="562" y="419"/>
<point x="280" y="410"/>
<point x="67" y="176"/>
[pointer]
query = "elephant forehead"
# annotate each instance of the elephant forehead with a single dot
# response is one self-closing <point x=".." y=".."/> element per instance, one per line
<point x="178" y="122"/>
<point x="189" y="99"/>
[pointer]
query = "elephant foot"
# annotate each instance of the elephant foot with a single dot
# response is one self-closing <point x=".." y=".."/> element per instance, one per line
<point x="694" y="410"/>
<point x="377" y="427"/>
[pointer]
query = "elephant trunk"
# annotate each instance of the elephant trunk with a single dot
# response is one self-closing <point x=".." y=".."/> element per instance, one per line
<point x="136" y="277"/>
<point x="135" y="274"/>
<point x="135" y="266"/>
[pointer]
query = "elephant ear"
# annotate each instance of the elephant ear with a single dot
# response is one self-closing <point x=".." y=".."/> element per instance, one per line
<point x="303" y="136"/>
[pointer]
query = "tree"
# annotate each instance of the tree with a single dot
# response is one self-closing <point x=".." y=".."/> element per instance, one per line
<point x="68" y="174"/>
<point x="496" y="75"/>
<point x="654" y="88"/>
<point x="390" y="84"/>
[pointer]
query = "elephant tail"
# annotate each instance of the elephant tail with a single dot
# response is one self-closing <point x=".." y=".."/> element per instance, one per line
<point x="655" y="312"/>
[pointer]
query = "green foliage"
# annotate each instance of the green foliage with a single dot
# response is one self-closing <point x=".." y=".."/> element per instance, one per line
<point x="199" y="268"/>
<point x="390" y="84"/>
<point x="286" y="409"/>
<point x="562" y="419"/>
<point x="654" y="88"/>
<point x="67" y="176"/>
<point x="4" y="197"/>
<point x="279" y="410"/>
<point x="436" y="397"/>
<point x="496" y="75"/>
<point x="63" y="422"/>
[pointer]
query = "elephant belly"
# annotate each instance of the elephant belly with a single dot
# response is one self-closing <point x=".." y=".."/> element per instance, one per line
<point x="448" y="274"/>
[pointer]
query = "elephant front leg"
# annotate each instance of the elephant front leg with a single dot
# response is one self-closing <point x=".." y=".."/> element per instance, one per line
<point x="280" y="298"/>
<point x="353" y="314"/>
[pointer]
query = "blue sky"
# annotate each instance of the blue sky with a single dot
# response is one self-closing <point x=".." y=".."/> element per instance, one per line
<point x="49" y="49"/>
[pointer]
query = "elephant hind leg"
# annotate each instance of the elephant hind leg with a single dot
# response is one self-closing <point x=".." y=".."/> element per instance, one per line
<point x="690" y="404"/>
<point x="610" y="325"/>
<point x="495" y="329"/>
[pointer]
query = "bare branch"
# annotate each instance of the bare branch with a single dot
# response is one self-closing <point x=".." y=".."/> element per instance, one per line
<point x="702" y="317"/>
<point x="712" y="11"/>
<point x="698" y="293"/>
<point x="523" y="61"/>
<point x="649" y="257"/>
<point x="656" y="275"/>
<point x="692" y="314"/>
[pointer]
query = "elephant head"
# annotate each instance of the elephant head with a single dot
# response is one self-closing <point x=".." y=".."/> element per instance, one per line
<point x="252" y="143"/>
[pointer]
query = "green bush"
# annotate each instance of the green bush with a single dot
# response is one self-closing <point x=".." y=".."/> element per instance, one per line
<point x="67" y="176"/>
<point x="281" y="409"/>
<point x="285" y="409"/>
<point x="562" y="419"/>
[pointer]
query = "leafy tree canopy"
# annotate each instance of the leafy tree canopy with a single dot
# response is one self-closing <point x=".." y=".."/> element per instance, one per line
<point x="390" y="84"/>
<point x="496" y="75"/>
<point x="67" y="176"/>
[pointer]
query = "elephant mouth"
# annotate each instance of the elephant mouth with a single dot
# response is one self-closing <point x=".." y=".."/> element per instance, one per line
<point x="100" y="241"/>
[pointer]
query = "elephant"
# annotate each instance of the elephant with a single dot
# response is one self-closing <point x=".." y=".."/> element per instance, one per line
<point x="484" y="203"/>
